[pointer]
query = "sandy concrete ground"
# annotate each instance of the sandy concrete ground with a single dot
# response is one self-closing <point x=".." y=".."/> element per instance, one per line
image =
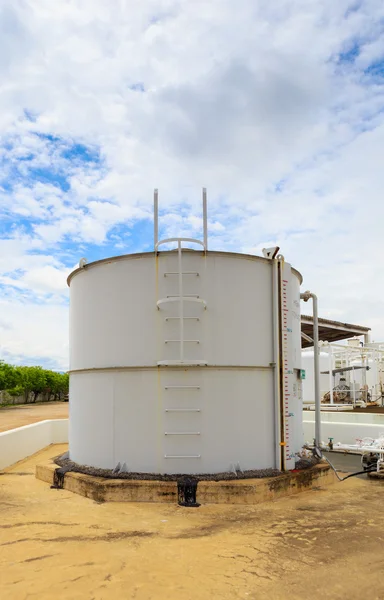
<point x="326" y="543"/>
<point x="17" y="416"/>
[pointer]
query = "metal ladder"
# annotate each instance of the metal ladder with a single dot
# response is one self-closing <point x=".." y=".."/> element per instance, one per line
<point x="181" y="410"/>
<point x="181" y="298"/>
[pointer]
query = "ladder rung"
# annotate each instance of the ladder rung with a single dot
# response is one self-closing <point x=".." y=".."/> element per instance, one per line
<point x="182" y="387"/>
<point x="185" y="341"/>
<point x="178" y="298"/>
<point x="183" y="273"/>
<point x="185" y="296"/>
<point x="181" y="432"/>
<point x="185" y="318"/>
<point x="182" y="410"/>
<point x="182" y="455"/>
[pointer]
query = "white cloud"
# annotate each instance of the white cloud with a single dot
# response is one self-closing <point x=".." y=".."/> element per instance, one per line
<point x="47" y="279"/>
<point x="249" y="99"/>
<point x="34" y="331"/>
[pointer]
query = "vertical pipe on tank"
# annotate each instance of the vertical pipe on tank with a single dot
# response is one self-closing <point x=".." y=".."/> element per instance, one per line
<point x="156" y="217"/>
<point x="205" y="219"/>
<point x="276" y="360"/>
<point x="306" y="296"/>
<point x="317" y="370"/>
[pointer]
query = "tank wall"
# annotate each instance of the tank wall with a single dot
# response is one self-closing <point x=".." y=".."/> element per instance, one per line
<point x="110" y="306"/>
<point x="295" y="322"/>
<point x="235" y="421"/>
<point x="114" y="320"/>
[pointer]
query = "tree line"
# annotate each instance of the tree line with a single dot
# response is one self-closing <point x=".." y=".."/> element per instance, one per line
<point x="30" y="382"/>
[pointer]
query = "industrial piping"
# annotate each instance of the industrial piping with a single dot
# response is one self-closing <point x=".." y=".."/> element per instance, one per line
<point x="306" y="296"/>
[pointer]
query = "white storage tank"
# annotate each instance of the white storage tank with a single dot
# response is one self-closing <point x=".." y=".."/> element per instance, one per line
<point x="307" y="361"/>
<point x="174" y="365"/>
<point x="362" y="377"/>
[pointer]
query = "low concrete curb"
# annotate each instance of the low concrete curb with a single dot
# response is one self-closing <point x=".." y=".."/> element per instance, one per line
<point x="343" y="427"/>
<point x="17" y="444"/>
<point x="245" y="491"/>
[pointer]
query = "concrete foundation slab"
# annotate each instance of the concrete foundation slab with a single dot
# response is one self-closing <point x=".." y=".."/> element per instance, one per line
<point x="248" y="491"/>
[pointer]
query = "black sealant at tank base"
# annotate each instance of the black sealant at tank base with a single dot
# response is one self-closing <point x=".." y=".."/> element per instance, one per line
<point x="186" y="492"/>
<point x="58" y="477"/>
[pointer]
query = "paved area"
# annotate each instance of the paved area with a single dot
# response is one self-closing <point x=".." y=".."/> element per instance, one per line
<point x="321" y="544"/>
<point x="17" y="416"/>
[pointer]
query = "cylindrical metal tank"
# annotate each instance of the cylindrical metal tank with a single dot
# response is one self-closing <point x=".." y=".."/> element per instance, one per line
<point x="134" y="401"/>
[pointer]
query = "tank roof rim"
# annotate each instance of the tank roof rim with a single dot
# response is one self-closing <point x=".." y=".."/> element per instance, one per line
<point x="138" y="255"/>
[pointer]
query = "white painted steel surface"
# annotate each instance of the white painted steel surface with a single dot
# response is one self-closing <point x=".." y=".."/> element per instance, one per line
<point x="309" y="381"/>
<point x="362" y="376"/>
<point x="122" y="404"/>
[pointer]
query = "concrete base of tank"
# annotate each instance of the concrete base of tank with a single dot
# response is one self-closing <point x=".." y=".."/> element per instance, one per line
<point x="245" y="491"/>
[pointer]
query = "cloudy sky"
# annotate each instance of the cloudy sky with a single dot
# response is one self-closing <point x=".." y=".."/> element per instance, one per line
<point x="275" y="107"/>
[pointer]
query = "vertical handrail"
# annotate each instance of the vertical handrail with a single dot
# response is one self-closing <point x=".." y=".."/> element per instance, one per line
<point x="354" y="387"/>
<point x="330" y="362"/>
<point x="156" y="217"/>
<point x="205" y="219"/>
<point x="181" y="305"/>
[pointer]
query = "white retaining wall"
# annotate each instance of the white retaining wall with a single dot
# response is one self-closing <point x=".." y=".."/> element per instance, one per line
<point x="17" y="444"/>
<point x="343" y="427"/>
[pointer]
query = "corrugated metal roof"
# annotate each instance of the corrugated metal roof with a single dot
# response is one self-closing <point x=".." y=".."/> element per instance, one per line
<point x="338" y="323"/>
<point x="329" y="331"/>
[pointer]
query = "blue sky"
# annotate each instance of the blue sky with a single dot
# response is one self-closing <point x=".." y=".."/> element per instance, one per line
<point x="277" y="108"/>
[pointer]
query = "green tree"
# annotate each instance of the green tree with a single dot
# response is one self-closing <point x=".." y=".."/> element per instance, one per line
<point x="33" y="381"/>
<point x="8" y="376"/>
<point x="57" y="383"/>
<point x="37" y="381"/>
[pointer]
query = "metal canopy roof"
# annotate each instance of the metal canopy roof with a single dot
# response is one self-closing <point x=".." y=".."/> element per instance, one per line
<point x="329" y="331"/>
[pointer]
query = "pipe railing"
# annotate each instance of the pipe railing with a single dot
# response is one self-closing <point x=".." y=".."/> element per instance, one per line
<point x="156" y="222"/>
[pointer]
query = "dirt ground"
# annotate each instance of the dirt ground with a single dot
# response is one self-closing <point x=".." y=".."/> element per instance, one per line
<point x="326" y="543"/>
<point x="17" y="416"/>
